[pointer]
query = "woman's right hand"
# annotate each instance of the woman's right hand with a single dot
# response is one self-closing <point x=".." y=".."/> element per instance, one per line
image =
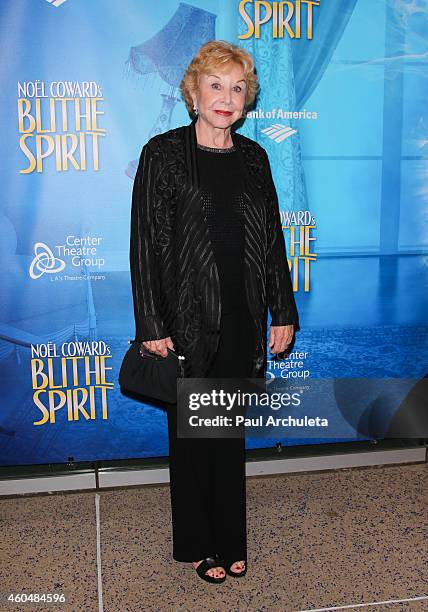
<point x="159" y="347"/>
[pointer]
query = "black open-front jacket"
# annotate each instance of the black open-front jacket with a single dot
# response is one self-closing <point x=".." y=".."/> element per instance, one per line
<point x="175" y="282"/>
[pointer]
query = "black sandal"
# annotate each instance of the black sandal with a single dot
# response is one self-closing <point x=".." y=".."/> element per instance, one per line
<point x="209" y="563"/>
<point x="228" y="564"/>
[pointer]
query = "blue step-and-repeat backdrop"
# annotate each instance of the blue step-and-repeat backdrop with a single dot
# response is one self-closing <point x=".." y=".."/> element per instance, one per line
<point x="343" y="115"/>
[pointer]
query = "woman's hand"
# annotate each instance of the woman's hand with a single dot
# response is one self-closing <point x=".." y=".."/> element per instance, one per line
<point x="280" y="337"/>
<point x="159" y="347"/>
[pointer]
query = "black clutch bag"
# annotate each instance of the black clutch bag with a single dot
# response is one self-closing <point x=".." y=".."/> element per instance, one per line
<point x="151" y="375"/>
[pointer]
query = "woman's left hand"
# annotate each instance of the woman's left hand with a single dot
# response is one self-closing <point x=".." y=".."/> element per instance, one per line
<point x="280" y="337"/>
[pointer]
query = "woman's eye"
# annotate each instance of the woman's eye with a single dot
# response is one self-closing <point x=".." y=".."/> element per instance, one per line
<point x="215" y="85"/>
<point x="238" y="88"/>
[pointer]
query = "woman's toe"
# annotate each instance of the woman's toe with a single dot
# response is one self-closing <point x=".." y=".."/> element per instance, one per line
<point x="214" y="572"/>
<point x="238" y="566"/>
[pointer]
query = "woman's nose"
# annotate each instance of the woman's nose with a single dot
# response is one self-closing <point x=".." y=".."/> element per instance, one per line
<point x="227" y="96"/>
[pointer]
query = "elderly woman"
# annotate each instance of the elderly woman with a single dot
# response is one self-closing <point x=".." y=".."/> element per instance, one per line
<point x="207" y="259"/>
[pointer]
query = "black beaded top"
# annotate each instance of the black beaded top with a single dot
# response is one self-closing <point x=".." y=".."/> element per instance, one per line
<point x="221" y="181"/>
<point x="216" y="149"/>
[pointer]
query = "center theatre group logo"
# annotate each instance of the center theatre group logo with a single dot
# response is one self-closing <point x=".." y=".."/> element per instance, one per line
<point x="80" y="252"/>
<point x="45" y="261"/>
<point x="59" y="120"/>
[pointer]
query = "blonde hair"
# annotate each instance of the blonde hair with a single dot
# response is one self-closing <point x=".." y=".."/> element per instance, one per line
<point x="213" y="55"/>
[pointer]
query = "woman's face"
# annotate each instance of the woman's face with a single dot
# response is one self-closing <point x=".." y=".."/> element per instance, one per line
<point x="221" y="96"/>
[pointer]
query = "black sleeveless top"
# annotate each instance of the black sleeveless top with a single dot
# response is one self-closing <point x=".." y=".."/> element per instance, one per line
<point x="221" y="181"/>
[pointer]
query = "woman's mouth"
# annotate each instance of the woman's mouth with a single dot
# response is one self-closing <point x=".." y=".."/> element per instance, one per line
<point x="224" y="113"/>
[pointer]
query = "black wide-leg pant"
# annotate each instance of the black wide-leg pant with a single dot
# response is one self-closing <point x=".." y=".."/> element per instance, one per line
<point x="207" y="475"/>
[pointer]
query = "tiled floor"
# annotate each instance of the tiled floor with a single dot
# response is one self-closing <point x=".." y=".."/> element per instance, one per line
<point x="315" y="539"/>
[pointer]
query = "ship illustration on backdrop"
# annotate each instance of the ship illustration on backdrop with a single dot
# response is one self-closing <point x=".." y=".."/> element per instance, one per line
<point x="166" y="55"/>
